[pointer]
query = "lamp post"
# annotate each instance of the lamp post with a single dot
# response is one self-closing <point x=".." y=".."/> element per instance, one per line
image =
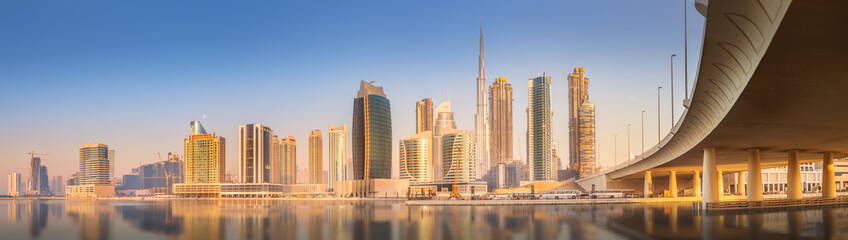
<point x="672" y="89"/>
<point x="615" y="150"/>
<point x="685" y="53"/>
<point x="643" y="131"/>
<point x="658" y="115"/>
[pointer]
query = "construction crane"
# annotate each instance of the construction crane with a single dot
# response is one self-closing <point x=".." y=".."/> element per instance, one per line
<point x="455" y="187"/>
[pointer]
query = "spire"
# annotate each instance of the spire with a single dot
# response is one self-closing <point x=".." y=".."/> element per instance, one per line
<point x="196" y="128"/>
<point x="482" y="69"/>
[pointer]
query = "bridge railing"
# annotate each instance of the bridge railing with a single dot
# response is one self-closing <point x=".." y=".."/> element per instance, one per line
<point x="775" y="203"/>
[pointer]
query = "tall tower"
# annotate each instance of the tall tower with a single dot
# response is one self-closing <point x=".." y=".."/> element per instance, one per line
<point x="424" y="115"/>
<point x="372" y="133"/>
<point x="316" y="158"/>
<point x="481" y="122"/>
<point x="500" y="122"/>
<point x="586" y="139"/>
<point x="288" y="150"/>
<point x="539" y="139"/>
<point x="578" y="96"/>
<point x="205" y="156"/>
<point x="444" y="122"/>
<point x="338" y="154"/>
<point x="255" y="153"/>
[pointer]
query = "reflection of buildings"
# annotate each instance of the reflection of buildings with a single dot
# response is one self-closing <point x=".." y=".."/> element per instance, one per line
<point x="157" y="218"/>
<point x="14" y="211"/>
<point x="93" y="218"/>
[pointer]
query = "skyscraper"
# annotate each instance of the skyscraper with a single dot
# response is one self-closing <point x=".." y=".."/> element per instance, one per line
<point x="255" y="153"/>
<point x="38" y="180"/>
<point x="578" y="96"/>
<point x="424" y="115"/>
<point x="94" y="164"/>
<point x="481" y="118"/>
<point x="500" y="122"/>
<point x="15" y="184"/>
<point x="338" y="154"/>
<point x="205" y="156"/>
<point x="276" y="160"/>
<point x="288" y="149"/>
<point x="444" y="122"/>
<point x="372" y="133"/>
<point x="586" y="139"/>
<point x="111" y="156"/>
<point x="416" y="157"/>
<point x="539" y="140"/>
<point x="315" y="157"/>
<point x="459" y="156"/>
<point x="58" y="186"/>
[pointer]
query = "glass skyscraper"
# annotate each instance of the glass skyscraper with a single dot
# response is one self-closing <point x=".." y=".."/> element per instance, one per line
<point x="338" y="154"/>
<point x="416" y="156"/>
<point x="459" y="156"/>
<point x="94" y="164"/>
<point x="372" y="133"/>
<point x="539" y="139"/>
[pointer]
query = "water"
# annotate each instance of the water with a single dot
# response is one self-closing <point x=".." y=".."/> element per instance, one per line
<point x="228" y="219"/>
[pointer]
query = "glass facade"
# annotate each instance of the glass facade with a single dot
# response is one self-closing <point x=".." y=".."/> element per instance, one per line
<point x="94" y="164"/>
<point x="416" y="156"/>
<point x="205" y="158"/>
<point x="539" y="140"/>
<point x="459" y="156"/>
<point x="372" y="137"/>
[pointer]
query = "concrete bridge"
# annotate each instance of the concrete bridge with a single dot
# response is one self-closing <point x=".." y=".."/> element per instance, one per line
<point x="771" y="90"/>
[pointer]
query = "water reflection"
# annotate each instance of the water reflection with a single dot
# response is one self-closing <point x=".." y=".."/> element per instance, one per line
<point x="271" y="219"/>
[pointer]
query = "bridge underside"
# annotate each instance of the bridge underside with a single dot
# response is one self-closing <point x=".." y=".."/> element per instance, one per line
<point x="796" y="99"/>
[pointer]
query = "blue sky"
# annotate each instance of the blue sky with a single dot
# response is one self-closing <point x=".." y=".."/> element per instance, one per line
<point x="132" y="74"/>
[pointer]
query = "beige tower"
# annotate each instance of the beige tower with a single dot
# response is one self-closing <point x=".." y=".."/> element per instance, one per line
<point x="205" y="158"/>
<point x="316" y="166"/>
<point x="500" y="122"/>
<point x="288" y="153"/>
<point x="424" y="115"/>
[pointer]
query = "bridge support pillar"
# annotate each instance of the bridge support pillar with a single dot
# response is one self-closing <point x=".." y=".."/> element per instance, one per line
<point x="740" y="184"/>
<point x="720" y="183"/>
<point x="828" y="176"/>
<point x="696" y="183"/>
<point x="649" y="183"/>
<point x="710" y="186"/>
<point x="793" y="176"/>
<point x="755" y="176"/>
<point x="672" y="183"/>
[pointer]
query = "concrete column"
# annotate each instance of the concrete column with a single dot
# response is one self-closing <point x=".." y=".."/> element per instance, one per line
<point x="740" y="184"/>
<point x="648" y="184"/>
<point x="720" y="184"/>
<point x="793" y="176"/>
<point x="755" y="176"/>
<point x="672" y="183"/>
<point x="828" y="177"/>
<point x="710" y="174"/>
<point x="696" y="183"/>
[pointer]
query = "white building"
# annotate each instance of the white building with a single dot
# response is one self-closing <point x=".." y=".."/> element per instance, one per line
<point x="338" y="140"/>
<point x="15" y="185"/>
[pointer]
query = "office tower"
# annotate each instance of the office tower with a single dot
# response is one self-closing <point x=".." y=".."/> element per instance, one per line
<point x="444" y="122"/>
<point x="372" y="133"/>
<point x="111" y="156"/>
<point x="578" y="96"/>
<point x="500" y="122"/>
<point x="205" y="156"/>
<point x="315" y="157"/>
<point x="481" y="124"/>
<point x="34" y="182"/>
<point x="459" y="156"/>
<point x="416" y="157"/>
<point x="424" y="115"/>
<point x="94" y="164"/>
<point x="276" y="160"/>
<point x="74" y="180"/>
<point x="255" y="153"/>
<point x="15" y="184"/>
<point x="162" y="175"/>
<point x="58" y="186"/>
<point x="539" y="141"/>
<point x="288" y="149"/>
<point x="586" y="139"/>
<point x="338" y="154"/>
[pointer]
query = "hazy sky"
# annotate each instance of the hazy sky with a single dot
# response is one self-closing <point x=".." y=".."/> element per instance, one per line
<point x="132" y="75"/>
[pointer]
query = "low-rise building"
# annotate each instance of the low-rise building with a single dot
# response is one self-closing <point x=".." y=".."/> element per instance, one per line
<point x="373" y="188"/>
<point x="89" y="191"/>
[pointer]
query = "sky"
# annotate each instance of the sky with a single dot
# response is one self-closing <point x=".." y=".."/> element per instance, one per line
<point x="133" y="74"/>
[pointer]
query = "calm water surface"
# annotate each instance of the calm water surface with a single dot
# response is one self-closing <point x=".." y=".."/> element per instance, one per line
<point x="227" y="219"/>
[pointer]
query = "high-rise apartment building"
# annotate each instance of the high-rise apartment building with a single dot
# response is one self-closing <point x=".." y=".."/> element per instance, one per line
<point x="94" y="164"/>
<point x="58" y="186"/>
<point x="416" y="157"/>
<point x="255" y="153"/>
<point x="539" y="139"/>
<point x="500" y="122"/>
<point x="581" y="124"/>
<point x="205" y="156"/>
<point x="586" y="139"/>
<point x="338" y="154"/>
<point x="424" y="115"/>
<point x="372" y="133"/>
<point x="276" y="160"/>
<point x="288" y="153"/>
<point x="481" y="123"/>
<point x="15" y="186"/>
<point x="111" y="156"/>
<point x="444" y="122"/>
<point x="38" y="181"/>
<point x="316" y="158"/>
<point x="459" y="156"/>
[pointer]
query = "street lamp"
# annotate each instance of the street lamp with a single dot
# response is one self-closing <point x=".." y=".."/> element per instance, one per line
<point x="658" y="115"/>
<point x="672" y="89"/>
<point x="628" y="142"/>
<point x="643" y="131"/>
<point x="615" y="150"/>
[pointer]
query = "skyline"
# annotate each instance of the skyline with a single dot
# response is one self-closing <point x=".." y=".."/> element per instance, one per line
<point x="157" y="121"/>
